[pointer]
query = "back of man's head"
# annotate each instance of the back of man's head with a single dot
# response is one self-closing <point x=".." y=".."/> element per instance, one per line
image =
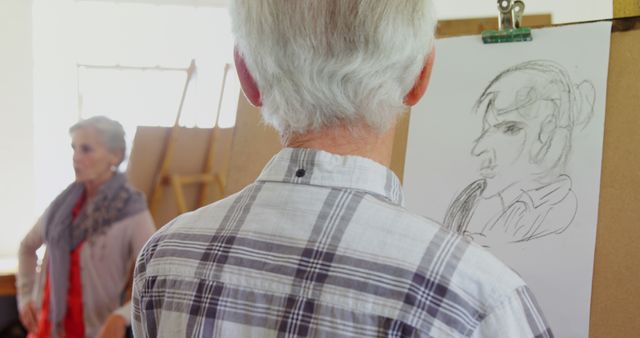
<point x="318" y="63"/>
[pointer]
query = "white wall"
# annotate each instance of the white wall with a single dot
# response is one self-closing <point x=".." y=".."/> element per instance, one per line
<point x="55" y="93"/>
<point x="16" y="126"/>
<point x="562" y="11"/>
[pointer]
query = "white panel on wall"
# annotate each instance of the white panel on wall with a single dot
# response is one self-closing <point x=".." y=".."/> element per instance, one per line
<point x="16" y="129"/>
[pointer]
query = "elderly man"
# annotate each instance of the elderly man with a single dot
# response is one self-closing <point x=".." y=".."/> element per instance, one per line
<point x="321" y="245"/>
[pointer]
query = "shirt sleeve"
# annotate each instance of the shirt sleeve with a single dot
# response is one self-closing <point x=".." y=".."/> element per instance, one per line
<point x="143" y="321"/>
<point x="138" y="319"/>
<point x="136" y="313"/>
<point x="28" y="261"/>
<point x="518" y="316"/>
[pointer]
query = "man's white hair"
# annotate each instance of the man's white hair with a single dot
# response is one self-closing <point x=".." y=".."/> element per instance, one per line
<point x="318" y="63"/>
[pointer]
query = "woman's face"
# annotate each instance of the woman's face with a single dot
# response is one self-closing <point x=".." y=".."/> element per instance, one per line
<point x="92" y="160"/>
<point x="505" y="148"/>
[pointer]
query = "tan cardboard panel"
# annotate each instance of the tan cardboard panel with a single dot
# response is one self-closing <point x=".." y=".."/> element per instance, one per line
<point x="626" y="8"/>
<point x="615" y="303"/>
<point x="189" y="158"/>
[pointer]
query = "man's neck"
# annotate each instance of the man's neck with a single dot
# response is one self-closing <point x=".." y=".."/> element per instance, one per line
<point x="359" y="141"/>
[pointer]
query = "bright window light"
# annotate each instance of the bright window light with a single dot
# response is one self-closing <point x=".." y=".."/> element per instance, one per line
<point x="148" y="36"/>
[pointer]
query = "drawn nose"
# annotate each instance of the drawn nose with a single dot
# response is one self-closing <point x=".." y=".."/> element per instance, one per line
<point x="479" y="145"/>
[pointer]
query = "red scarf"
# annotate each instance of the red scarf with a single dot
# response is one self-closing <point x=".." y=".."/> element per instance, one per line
<point x="74" y="317"/>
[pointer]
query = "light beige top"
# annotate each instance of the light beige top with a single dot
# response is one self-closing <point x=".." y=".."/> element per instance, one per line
<point x="105" y="261"/>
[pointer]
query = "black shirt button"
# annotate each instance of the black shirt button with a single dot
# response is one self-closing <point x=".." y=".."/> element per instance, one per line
<point x="300" y="173"/>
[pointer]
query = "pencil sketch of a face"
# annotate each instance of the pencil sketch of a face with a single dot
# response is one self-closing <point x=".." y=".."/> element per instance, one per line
<point x="530" y="112"/>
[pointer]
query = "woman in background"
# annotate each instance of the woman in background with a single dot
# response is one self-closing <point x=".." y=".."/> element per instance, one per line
<point x="93" y="231"/>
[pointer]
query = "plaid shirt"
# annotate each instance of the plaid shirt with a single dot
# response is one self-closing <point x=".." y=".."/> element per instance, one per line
<point x="320" y="246"/>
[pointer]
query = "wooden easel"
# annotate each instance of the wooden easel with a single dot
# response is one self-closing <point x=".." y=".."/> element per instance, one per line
<point x="177" y="181"/>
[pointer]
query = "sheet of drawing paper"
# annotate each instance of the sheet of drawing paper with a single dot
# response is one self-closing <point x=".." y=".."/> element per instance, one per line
<point x="506" y="148"/>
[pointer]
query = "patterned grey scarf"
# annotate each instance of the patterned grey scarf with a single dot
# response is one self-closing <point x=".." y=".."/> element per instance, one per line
<point x="114" y="202"/>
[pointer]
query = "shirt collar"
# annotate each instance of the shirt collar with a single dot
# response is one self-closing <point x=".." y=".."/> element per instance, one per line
<point x="316" y="167"/>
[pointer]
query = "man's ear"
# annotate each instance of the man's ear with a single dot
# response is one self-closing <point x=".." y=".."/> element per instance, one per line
<point x="547" y="129"/>
<point x="422" y="82"/>
<point x="549" y="143"/>
<point x="249" y="86"/>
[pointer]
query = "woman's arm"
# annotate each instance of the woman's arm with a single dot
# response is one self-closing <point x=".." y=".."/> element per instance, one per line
<point x="25" y="280"/>
<point x="28" y="261"/>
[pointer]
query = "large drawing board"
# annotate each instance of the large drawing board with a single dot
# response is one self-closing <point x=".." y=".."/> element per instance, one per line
<point x="506" y="147"/>
<point x="615" y="301"/>
<point x="615" y="304"/>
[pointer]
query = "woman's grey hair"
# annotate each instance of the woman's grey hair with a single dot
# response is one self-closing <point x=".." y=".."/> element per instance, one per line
<point x="319" y="63"/>
<point x="110" y="130"/>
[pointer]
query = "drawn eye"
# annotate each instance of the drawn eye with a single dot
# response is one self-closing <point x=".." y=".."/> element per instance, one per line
<point x="510" y="128"/>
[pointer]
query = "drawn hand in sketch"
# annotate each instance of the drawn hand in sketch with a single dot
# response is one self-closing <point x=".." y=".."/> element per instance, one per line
<point x="530" y="112"/>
